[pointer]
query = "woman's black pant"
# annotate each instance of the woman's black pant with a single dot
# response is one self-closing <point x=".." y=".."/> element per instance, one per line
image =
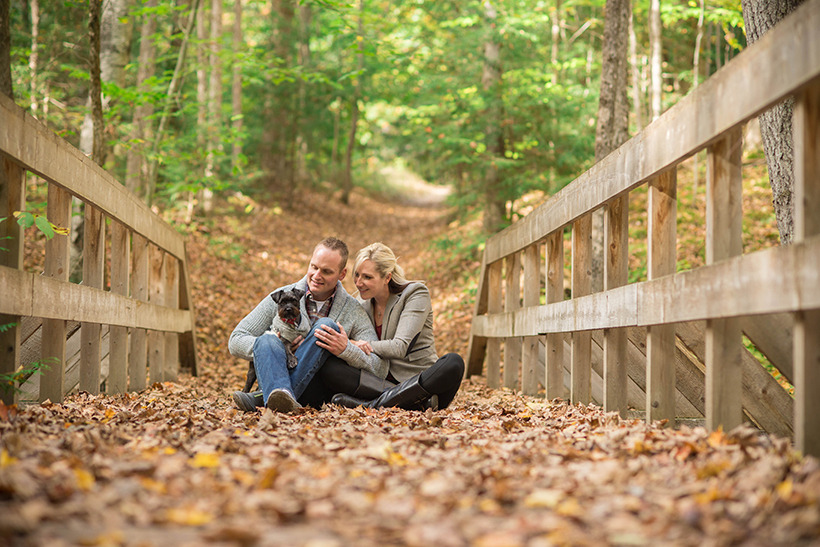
<point x="443" y="378"/>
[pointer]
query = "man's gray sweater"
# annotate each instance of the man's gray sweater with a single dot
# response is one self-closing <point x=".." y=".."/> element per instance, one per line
<point x="346" y="311"/>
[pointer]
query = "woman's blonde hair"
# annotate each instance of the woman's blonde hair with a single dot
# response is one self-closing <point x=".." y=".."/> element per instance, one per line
<point x="386" y="264"/>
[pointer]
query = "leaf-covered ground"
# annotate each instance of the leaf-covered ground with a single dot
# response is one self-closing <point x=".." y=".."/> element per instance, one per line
<point x="178" y="465"/>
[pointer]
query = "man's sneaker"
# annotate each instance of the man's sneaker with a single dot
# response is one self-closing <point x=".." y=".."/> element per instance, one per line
<point x="248" y="401"/>
<point x="281" y="400"/>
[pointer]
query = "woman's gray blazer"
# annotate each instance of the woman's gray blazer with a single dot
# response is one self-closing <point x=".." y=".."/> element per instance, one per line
<point x="407" y="331"/>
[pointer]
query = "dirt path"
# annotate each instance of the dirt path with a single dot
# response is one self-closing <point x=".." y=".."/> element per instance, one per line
<point x="178" y="465"/>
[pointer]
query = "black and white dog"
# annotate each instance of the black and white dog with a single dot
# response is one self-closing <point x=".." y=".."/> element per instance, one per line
<point x="288" y="324"/>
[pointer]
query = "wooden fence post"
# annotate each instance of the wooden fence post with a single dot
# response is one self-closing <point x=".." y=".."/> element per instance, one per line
<point x="512" y="302"/>
<point x="494" y="306"/>
<point x="724" y="216"/>
<point x="120" y="284"/>
<point x="12" y="198"/>
<point x="807" y="224"/>
<point x="554" y="355"/>
<point x="187" y="342"/>
<point x="171" y="301"/>
<point x="156" y="291"/>
<point x="616" y="274"/>
<point x="532" y="297"/>
<point x="93" y="274"/>
<point x="581" y="360"/>
<point x="138" y="361"/>
<point x="52" y="349"/>
<point x="660" y="339"/>
<point x="477" y="345"/>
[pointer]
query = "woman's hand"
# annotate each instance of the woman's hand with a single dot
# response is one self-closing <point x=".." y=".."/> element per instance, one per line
<point x="363" y="345"/>
<point x="332" y="341"/>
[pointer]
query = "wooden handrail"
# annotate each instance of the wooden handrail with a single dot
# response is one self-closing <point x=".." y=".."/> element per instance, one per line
<point x="150" y="289"/>
<point x="732" y="293"/>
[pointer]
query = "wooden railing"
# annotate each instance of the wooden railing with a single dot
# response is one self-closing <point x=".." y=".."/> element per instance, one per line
<point x="768" y="295"/>
<point x="148" y="304"/>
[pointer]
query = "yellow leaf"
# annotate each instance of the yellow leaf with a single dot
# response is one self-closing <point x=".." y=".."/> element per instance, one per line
<point x="569" y="508"/>
<point x="268" y="477"/>
<point x="169" y="451"/>
<point x="60" y="230"/>
<point x="188" y="516"/>
<point x="6" y="459"/>
<point x="205" y="459"/>
<point x="85" y="480"/>
<point x="785" y="489"/>
<point x="153" y="485"/>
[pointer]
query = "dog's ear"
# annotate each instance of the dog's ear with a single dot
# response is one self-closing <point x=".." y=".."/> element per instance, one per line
<point x="277" y="296"/>
<point x="298" y="293"/>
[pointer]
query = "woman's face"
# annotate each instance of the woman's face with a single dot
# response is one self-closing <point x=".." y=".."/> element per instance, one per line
<point x="369" y="282"/>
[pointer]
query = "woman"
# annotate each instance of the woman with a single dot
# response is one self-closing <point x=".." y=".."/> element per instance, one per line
<point x="402" y="315"/>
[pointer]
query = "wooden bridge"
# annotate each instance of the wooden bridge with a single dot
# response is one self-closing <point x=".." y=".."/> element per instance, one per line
<point x="672" y="345"/>
<point x="126" y="324"/>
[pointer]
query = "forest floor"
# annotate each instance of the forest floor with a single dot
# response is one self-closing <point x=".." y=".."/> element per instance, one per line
<point x="177" y="464"/>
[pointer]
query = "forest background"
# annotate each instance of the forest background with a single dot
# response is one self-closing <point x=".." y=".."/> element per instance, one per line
<point x="269" y="98"/>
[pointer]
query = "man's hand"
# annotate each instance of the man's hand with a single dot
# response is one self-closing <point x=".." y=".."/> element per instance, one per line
<point x="329" y="339"/>
<point x="296" y="342"/>
<point x="363" y="345"/>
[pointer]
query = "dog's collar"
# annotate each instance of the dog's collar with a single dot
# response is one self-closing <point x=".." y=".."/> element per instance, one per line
<point x="291" y="322"/>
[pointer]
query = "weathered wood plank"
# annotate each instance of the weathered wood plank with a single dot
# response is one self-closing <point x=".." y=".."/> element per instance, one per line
<point x="187" y="341"/>
<point x="56" y="268"/>
<point x="616" y="274"/>
<point x="138" y="357"/>
<point x="532" y="297"/>
<point x="772" y="335"/>
<point x="477" y="347"/>
<point x="554" y="359"/>
<point x="661" y="261"/>
<point x="512" y="302"/>
<point x="581" y="286"/>
<point x="30" y="143"/>
<point x="494" y="305"/>
<point x="156" y="291"/>
<point x="806" y="225"/>
<point x="120" y="284"/>
<point x="12" y="198"/>
<point x="724" y="197"/>
<point x="687" y="296"/>
<point x="171" y="301"/>
<point x="786" y="58"/>
<point x="93" y="276"/>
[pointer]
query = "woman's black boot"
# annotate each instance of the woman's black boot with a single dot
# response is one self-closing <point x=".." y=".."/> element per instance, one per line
<point x="409" y="395"/>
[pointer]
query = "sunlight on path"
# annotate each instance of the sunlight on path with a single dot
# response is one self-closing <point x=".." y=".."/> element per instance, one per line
<point x="413" y="189"/>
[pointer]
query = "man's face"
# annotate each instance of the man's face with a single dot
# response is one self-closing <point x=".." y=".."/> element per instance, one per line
<point x="324" y="271"/>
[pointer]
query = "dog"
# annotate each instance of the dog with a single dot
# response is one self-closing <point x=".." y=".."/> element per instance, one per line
<point x="288" y="324"/>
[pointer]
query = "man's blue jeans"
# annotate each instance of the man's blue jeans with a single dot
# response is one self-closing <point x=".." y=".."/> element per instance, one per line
<point x="271" y="364"/>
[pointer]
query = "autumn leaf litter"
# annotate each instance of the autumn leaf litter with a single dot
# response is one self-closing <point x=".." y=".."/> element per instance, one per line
<point x="177" y="464"/>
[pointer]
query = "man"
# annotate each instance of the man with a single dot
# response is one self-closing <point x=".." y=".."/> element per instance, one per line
<point x="335" y="317"/>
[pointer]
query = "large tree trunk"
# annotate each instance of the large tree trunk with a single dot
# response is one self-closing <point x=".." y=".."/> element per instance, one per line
<point x="214" y="141"/>
<point x="491" y="82"/>
<point x="347" y="186"/>
<point x="304" y="60"/>
<point x="236" y="86"/>
<point x="34" y="58"/>
<point x="613" y="112"/>
<point x="636" y="76"/>
<point x="135" y="171"/>
<point x="775" y="124"/>
<point x="281" y="130"/>
<point x="656" y="58"/>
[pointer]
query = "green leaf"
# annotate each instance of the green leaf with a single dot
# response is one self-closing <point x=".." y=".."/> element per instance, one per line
<point x="45" y="226"/>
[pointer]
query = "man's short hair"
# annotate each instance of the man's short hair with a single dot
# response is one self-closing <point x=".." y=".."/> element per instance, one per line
<point x="336" y="244"/>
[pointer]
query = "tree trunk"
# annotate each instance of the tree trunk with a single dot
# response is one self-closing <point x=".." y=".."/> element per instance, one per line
<point x="776" y="123"/>
<point x="236" y="86"/>
<point x="170" y="98"/>
<point x="279" y="114"/>
<point x="491" y="82"/>
<point x="695" y="83"/>
<point x="5" y="49"/>
<point x="347" y="187"/>
<point x="135" y="172"/>
<point x="656" y="57"/>
<point x="33" y="60"/>
<point x="214" y="133"/>
<point x="613" y="112"/>
<point x="304" y="61"/>
<point x="636" y="77"/>
<point x="115" y="41"/>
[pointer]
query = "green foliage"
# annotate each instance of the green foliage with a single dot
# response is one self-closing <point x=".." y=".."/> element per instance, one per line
<point x="10" y="381"/>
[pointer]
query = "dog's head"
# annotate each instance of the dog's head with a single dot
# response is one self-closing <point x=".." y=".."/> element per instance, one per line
<point x="288" y="302"/>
